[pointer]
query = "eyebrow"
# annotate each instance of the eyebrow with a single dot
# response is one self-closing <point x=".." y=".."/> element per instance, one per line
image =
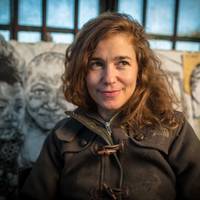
<point x="95" y="58"/>
<point x="37" y="85"/>
<point x="115" y="58"/>
<point x="122" y="58"/>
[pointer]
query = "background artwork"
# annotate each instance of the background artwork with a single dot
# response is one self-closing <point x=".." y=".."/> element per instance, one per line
<point x="45" y="102"/>
<point x="191" y="64"/>
<point x="44" y="98"/>
<point x="172" y="64"/>
<point x="12" y="112"/>
<point x="31" y="103"/>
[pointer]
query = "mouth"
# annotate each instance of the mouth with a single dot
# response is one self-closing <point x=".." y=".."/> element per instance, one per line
<point x="110" y="93"/>
<point x="50" y="116"/>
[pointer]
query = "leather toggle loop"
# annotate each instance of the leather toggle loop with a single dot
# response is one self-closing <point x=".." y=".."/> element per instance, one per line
<point x="109" y="191"/>
<point x="110" y="149"/>
<point x="115" y="193"/>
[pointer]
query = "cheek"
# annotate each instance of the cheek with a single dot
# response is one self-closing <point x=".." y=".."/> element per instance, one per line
<point x="33" y="102"/>
<point x="91" y="82"/>
<point x="130" y="80"/>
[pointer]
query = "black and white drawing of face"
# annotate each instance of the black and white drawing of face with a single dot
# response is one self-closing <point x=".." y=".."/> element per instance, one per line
<point x="12" y="109"/>
<point x="45" y="100"/>
<point x="195" y="91"/>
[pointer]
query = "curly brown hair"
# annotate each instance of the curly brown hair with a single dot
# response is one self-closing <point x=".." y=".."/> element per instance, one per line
<point x="152" y="101"/>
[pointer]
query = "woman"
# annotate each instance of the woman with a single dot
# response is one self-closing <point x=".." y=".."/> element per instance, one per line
<point x="125" y="141"/>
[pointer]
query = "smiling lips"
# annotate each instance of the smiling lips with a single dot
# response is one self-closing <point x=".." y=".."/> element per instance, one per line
<point x="109" y="93"/>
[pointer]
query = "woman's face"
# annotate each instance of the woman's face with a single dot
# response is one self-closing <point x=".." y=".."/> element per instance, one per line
<point x="112" y="74"/>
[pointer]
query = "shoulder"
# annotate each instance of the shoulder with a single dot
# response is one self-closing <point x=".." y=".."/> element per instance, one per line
<point x="70" y="136"/>
<point x="164" y="139"/>
<point x="184" y="128"/>
<point x="64" y="133"/>
<point x="185" y="132"/>
<point x="66" y="129"/>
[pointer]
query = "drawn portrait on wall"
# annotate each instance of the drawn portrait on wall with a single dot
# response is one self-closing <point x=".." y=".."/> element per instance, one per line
<point x="177" y="84"/>
<point x="12" y="112"/>
<point x="172" y="64"/>
<point x="195" y="91"/>
<point x="191" y="63"/>
<point x="45" y="103"/>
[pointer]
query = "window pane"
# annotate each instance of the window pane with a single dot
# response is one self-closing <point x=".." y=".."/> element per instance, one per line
<point x="160" y="17"/>
<point x="131" y="7"/>
<point x="189" y="18"/>
<point x="188" y="46"/>
<point x="5" y="34"/>
<point x="4" y="11"/>
<point x="60" y="13"/>
<point x="30" y="12"/>
<point x="62" y="37"/>
<point x="160" y="44"/>
<point x="24" y="36"/>
<point x="87" y="9"/>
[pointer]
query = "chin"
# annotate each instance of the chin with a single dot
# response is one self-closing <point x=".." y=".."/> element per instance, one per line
<point x="46" y="124"/>
<point x="111" y="107"/>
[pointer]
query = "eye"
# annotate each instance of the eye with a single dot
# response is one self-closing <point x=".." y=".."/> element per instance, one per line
<point x="18" y="107"/>
<point x="96" y="64"/>
<point x="123" y="63"/>
<point x="39" y="92"/>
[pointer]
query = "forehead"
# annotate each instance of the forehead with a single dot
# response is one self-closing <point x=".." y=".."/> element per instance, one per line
<point x="52" y="79"/>
<point x="50" y="69"/>
<point x="49" y="64"/>
<point x="46" y="72"/>
<point x="120" y="42"/>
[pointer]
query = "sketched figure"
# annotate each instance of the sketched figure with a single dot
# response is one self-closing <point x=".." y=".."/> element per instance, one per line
<point x="195" y="91"/>
<point x="45" y="102"/>
<point x="12" y="109"/>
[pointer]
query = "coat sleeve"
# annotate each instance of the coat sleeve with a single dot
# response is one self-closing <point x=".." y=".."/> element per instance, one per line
<point x="42" y="183"/>
<point x="184" y="157"/>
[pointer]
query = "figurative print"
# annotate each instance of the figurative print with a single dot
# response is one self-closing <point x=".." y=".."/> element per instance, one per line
<point x="45" y="103"/>
<point x="195" y="90"/>
<point x="172" y="64"/>
<point x="12" y="111"/>
<point x="191" y="64"/>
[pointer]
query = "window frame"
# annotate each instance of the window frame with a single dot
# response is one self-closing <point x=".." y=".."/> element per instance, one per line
<point x="104" y="5"/>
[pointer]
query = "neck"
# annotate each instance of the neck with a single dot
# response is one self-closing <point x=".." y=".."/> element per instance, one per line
<point x="106" y="115"/>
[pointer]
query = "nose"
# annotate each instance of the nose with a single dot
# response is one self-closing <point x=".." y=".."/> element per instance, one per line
<point x="109" y="75"/>
<point x="52" y="103"/>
